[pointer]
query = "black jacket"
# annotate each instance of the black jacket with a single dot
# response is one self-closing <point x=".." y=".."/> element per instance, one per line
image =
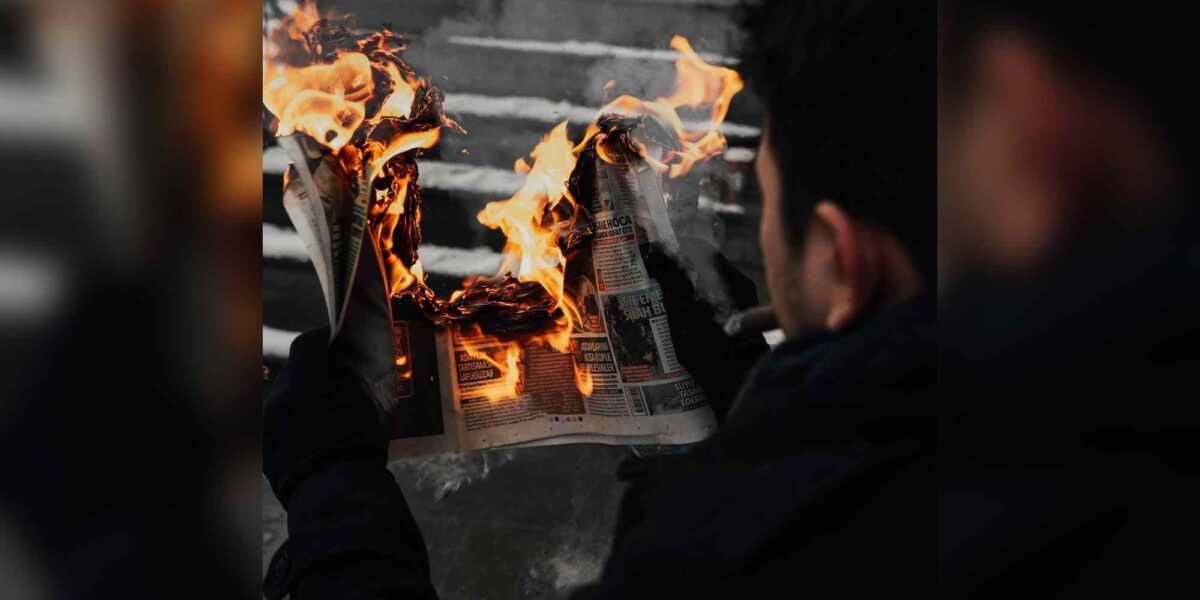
<point x="820" y="478"/>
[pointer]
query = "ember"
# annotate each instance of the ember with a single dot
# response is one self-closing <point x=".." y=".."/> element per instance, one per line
<point x="502" y="307"/>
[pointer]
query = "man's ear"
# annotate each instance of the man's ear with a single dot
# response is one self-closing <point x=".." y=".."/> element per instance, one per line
<point x="855" y="275"/>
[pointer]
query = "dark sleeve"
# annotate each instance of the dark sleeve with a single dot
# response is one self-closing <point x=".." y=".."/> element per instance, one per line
<point x="351" y="535"/>
<point x="350" y="531"/>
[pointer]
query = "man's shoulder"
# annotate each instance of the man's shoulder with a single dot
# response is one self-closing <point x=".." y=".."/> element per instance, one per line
<point x="728" y="524"/>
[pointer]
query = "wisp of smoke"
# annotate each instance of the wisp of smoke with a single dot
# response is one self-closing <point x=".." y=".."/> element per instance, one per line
<point x="445" y="473"/>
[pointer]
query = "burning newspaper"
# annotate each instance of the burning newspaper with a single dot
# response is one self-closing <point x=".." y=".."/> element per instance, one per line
<point x="570" y="341"/>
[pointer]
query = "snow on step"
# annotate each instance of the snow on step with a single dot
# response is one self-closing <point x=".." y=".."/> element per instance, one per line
<point x="277" y="342"/>
<point x="578" y="48"/>
<point x="550" y="111"/>
<point x="282" y="243"/>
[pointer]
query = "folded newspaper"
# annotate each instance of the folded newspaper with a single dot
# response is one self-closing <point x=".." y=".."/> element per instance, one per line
<point x="434" y="382"/>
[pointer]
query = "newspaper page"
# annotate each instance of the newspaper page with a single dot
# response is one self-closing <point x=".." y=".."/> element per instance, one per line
<point x="640" y="393"/>
<point x="434" y="394"/>
<point x="329" y="211"/>
<point x="301" y="200"/>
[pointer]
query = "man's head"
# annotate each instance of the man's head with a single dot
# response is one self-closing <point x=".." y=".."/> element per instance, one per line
<point x="1054" y="117"/>
<point x="847" y="159"/>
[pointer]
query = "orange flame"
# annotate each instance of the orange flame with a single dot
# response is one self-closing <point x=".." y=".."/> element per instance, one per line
<point x="697" y="84"/>
<point x="583" y="381"/>
<point x="400" y="277"/>
<point x="300" y="20"/>
<point x="331" y="102"/>
<point x="399" y="103"/>
<point x="531" y="251"/>
<point x="327" y="102"/>
<point x="532" y="227"/>
<point x="379" y="153"/>
<point x="477" y="345"/>
<point x="343" y="105"/>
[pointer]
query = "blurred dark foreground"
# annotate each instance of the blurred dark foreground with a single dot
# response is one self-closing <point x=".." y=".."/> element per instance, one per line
<point x="1069" y="243"/>
<point x="129" y="299"/>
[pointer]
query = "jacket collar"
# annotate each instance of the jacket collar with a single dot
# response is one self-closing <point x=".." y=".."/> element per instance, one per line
<point x="876" y="379"/>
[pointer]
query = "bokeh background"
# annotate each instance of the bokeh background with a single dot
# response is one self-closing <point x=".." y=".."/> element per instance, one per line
<point x="130" y="298"/>
<point x="535" y="522"/>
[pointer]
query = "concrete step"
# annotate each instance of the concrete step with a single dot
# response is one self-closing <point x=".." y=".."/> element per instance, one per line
<point x="292" y="299"/>
<point x="642" y="23"/>
<point x="499" y="130"/>
<point x="292" y="296"/>
<point x="579" y="79"/>
<point x="460" y="187"/>
<point x="448" y="218"/>
<point x="546" y="57"/>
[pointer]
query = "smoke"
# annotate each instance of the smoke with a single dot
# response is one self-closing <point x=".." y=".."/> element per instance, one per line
<point x="445" y="473"/>
<point x="577" y="559"/>
<point x="576" y="550"/>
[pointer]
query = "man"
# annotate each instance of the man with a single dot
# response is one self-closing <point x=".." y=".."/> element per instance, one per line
<point x="821" y="476"/>
<point x="1071" y="314"/>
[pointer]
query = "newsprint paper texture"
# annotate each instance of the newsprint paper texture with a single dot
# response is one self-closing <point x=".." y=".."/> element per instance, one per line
<point x="432" y="391"/>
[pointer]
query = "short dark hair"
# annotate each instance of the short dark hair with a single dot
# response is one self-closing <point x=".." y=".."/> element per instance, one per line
<point x="850" y="89"/>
